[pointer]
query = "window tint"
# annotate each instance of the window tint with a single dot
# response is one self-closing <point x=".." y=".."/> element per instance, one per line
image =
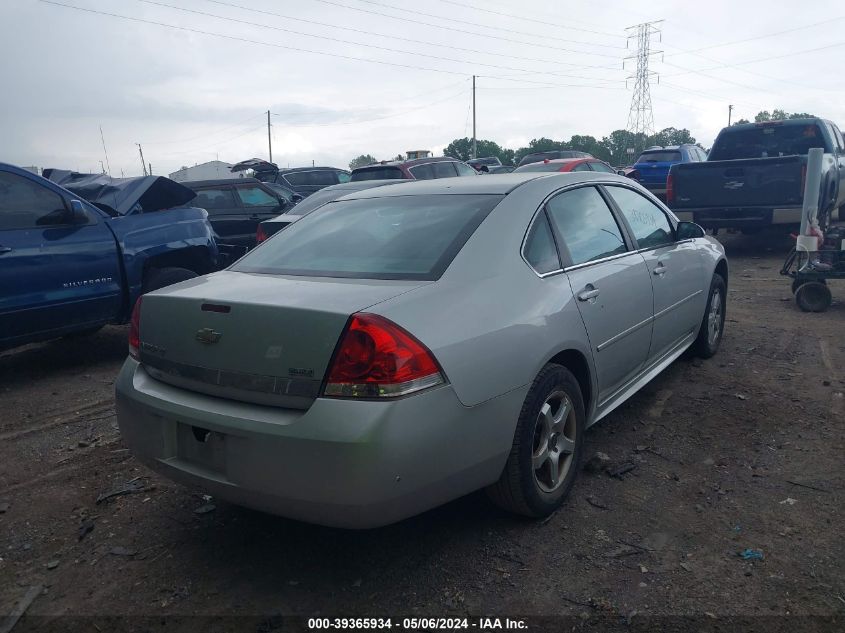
<point x="395" y="237"/>
<point x="783" y="139"/>
<point x="377" y="173"/>
<point x="582" y="167"/>
<point x="256" y="197"/>
<point x="282" y="191"/>
<point x="540" y="250"/>
<point x="422" y="172"/>
<point x="464" y="169"/>
<point x="444" y="169"/>
<point x="343" y="176"/>
<point x="602" y="167"/>
<point x="25" y="204"/>
<point x="659" y="157"/>
<point x="316" y="178"/>
<point x="586" y="224"/>
<point x="215" y="200"/>
<point x="649" y="224"/>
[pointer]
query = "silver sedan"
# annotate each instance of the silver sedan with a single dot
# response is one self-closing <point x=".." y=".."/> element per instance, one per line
<point x="403" y="346"/>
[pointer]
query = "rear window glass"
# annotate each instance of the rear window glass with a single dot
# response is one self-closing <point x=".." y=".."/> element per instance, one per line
<point x="767" y="141"/>
<point x="659" y="157"/>
<point x="401" y="237"/>
<point x="377" y="173"/>
<point x="319" y="178"/>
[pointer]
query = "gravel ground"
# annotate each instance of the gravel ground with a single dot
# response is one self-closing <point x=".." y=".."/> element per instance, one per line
<point x="743" y="451"/>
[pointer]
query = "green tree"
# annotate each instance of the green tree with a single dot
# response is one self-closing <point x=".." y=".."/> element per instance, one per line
<point x="741" y="122"/>
<point x="361" y="161"/>
<point x="779" y="115"/>
<point x="461" y="148"/>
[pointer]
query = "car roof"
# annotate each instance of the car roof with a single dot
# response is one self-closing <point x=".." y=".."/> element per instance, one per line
<point x="408" y="163"/>
<point x="500" y="184"/>
<point x="220" y="181"/>
<point x="290" y="170"/>
<point x="359" y="185"/>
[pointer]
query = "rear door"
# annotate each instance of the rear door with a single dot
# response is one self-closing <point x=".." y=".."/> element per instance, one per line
<point x="54" y="275"/>
<point x="676" y="270"/>
<point x="444" y="169"/>
<point x="610" y="281"/>
<point x="257" y="205"/>
<point x="226" y="215"/>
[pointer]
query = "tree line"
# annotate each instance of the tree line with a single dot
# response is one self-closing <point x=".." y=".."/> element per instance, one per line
<point x="618" y="148"/>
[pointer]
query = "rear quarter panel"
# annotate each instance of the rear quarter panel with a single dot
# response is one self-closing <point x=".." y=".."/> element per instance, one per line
<point x="490" y="321"/>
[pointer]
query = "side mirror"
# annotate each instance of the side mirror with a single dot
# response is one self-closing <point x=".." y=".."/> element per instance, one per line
<point x="620" y="172"/>
<point x="689" y="231"/>
<point x="297" y="198"/>
<point x="78" y="214"/>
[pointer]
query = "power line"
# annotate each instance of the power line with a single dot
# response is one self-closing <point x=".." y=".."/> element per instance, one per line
<point x="323" y="37"/>
<point x="405" y="39"/>
<point x="527" y="19"/>
<point x="194" y="138"/>
<point x="640" y="115"/>
<point x="464" y="31"/>
<point x="485" y="26"/>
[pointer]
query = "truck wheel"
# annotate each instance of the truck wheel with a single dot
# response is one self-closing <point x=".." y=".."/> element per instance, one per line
<point x="156" y="278"/>
<point x="813" y="296"/>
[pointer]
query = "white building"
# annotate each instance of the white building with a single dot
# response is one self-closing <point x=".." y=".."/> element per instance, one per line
<point x="205" y="171"/>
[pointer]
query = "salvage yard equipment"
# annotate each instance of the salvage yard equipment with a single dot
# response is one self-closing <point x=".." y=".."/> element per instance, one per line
<point x="810" y="271"/>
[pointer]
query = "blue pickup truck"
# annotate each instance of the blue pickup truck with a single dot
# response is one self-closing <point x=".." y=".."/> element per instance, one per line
<point x="69" y="266"/>
<point x="652" y="167"/>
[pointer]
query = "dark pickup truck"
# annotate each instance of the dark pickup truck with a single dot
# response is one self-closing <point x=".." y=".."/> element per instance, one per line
<point x="754" y="176"/>
<point x="73" y="261"/>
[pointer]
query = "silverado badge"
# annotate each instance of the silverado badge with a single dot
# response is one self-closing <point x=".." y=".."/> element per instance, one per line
<point x="208" y="336"/>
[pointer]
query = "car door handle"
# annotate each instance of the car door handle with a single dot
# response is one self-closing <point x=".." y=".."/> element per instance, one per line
<point x="586" y="295"/>
<point x="659" y="270"/>
<point x="5" y="249"/>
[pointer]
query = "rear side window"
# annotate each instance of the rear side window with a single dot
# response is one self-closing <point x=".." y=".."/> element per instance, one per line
<point x="343" y="176"/>
<point x="397" y="237"/>
<point x="602" y="167"/>
<point x="422" y="172"/>
<point x="256" y="197"/>
<point x="649" y="224"/>
<point x="540" y="250"/>
<point x="586" y="224"/>
<point x="581" y="167"/>
<point x="766" y="141"/>
<point x="659" y="157"/>
<point x="464" y="169"/>
<point x="215" y="200"/>
<point x="25" y="204"/>
<point x="317" y="178"/>
<point x="378" y="173"/>
<point x="444" y="169"/>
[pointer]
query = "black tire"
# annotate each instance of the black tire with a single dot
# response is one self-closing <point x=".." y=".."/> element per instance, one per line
<point x="520" y="488"/>
<point x="706" y="345"/>
<point x="813" y="296"/>
<point x="156" y="278"/>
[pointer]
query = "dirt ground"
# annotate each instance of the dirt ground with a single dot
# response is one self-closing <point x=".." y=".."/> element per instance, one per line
<point x="743" y="451"/>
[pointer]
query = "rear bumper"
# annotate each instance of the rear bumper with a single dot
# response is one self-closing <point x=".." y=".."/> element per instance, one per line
<point x="740" y="217"/>
<point x="341" y="463"/>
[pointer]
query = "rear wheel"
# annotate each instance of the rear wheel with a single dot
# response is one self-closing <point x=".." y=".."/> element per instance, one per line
<point x="547" y="446"/>
<point x="813" y="296"/>
<point x="713" y="324"/>
<point x="156" y="278"/>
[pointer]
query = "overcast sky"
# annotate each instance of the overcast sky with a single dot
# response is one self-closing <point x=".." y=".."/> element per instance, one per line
<point x="546" y="68"/>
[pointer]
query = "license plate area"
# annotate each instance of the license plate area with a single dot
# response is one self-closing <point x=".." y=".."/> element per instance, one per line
<point x="201" y="447"/>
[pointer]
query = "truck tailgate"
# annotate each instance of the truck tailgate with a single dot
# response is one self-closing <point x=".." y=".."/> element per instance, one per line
<point x="750" y="182"/>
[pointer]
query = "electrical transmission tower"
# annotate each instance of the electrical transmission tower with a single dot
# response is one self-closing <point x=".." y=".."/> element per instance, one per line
<point x="641" y="116"/>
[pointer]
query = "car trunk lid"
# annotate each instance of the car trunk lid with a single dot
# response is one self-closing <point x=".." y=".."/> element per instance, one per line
<point x="257" y="338"/>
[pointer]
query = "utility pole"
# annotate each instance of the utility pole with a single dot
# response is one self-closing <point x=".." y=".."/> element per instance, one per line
<point x="151" y="168"/>
<point x="641" y="116"/>
<point x="103" y="139"/>
<point x="730" y="109"/>
<point x="143" y="164"/>
<point x="269" y="140"/>
<point x="474" y="146"/>
<point x="102" y="169"/>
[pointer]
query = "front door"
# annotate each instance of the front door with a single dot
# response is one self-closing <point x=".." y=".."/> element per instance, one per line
<point x="677" y="271"/>
<point x="611" y="283"/>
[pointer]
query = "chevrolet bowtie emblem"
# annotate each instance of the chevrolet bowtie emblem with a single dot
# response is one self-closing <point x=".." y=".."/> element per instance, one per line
<point x="208" y="336"/>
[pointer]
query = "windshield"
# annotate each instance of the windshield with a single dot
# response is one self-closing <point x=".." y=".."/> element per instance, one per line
<point x="766" y="141"/>
<point x="377" y="173"/>
<point x="317" y="200"/>
<point x="659" y="157"/>
<point x="399" y="237"/>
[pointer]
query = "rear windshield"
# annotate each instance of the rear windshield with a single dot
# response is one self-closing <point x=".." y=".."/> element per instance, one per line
<point x="319" y="178"/>
<point x="401" y="237"/>
<point x="659" y="157"/>
<point x="540" y="167"/>
<point x="377" y="173"/>
<point x="767" y="141"/>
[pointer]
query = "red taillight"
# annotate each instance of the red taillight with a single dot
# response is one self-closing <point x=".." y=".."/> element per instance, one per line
<point x="670" y="188"/>
<point x="378" y="359"/>
<point x="135" y="331"/>
<point x="260" y="235"/>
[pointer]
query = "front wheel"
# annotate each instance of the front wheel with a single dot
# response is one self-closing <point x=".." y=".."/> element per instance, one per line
<point x="547" y="446"/>
<point x="713" y="324"/>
